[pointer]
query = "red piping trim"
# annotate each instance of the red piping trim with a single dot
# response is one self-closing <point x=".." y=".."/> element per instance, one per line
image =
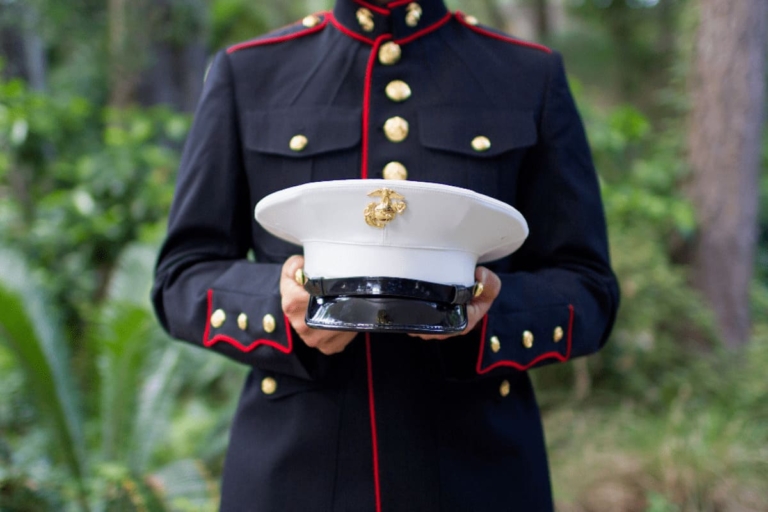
<point x="374" y="8"/>
<point x="354" y="35"/>
<point x="512" y="364"/>
<point x="445" y="19"/>
<point x="367" y="104"/>
<point x="398" y="3"/>
<point x="460" y="16"/>
<point x="244" y="348"/>
<point x="372" y="413"/>
<point x="280" y="39"/>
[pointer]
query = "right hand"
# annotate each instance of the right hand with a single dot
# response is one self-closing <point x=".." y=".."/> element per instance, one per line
<point x="295" y="300"/>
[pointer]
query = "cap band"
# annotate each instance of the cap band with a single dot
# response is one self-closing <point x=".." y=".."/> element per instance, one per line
<point x="389" y="287"/>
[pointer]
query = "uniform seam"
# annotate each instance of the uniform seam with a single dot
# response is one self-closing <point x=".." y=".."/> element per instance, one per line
<point x="501" y="37"/>
<point x="265" y="40"/>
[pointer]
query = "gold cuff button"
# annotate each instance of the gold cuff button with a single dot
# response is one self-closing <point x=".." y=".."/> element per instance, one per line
<point x="396" y="129"/>
<point x="310" y="21"/>
<point x="395" y="171"/>
<point x="389" y="53"/>
<point x="298" y="142"/>
<point x="268" y="386"/>
<point x="217" y="318"/>
<point x="242" y="321"/>
<point x="558" y="335"/>
<point x="300" y="277"/>
<point x="269" y="324"/>
<point x="365" y="19"/>
<point x="481" y="144"/>
<point x="471" y="20"/>
<point x="505" y="388"/>
<point x="495" y="344"/>
<point x="398" y="91"/>
<point x="527" y="339"/>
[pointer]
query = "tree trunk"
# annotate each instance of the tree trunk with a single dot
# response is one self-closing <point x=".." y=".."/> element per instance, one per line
<point x="727" y="93"/>
<point x="543" y="28"/>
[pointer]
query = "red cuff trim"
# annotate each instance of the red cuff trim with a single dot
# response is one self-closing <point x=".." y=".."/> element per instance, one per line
<point x="244" y="348"/>
<point x="493" y="35"/>
<point x="279" y="39"/>
<point x="522" y="367"/>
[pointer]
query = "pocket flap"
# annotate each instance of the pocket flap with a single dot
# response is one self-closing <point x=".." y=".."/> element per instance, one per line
<point x="457" y="130"/>
<point x="324" y="129"/>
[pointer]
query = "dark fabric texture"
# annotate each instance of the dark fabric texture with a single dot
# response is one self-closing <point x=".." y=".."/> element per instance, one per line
<point x="458" y="428"/>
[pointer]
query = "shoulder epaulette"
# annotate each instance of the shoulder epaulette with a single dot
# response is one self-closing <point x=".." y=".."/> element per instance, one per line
<point x="309" y="25"/>
<point x="471" y="23"/>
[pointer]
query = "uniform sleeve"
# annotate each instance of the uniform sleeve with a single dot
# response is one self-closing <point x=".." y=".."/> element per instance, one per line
<point x="559" y="296"/>
<point x="206" y="292"/>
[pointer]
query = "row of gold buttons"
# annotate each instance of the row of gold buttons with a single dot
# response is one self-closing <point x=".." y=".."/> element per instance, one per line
<point x="219" y="317"/>
<point x="365" y="17"/>
<point x="557" y="335"/>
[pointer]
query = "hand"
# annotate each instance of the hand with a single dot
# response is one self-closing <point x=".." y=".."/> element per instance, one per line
<point x="295" y="300"/>
<point x="479" y="306"/>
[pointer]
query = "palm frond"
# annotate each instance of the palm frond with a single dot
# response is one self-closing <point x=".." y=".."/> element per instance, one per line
<point x="30" y="326"/>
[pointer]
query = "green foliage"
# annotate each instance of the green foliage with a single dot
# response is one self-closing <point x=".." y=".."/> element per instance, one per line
<point x="701" y="452"/>
<point x="140" y="377"/>
<point x="78" y="184"/>
<point x="28" y="324"/>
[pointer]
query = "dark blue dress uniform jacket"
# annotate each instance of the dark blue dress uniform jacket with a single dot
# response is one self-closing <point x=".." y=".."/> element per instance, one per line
<point x="393" y="423"/>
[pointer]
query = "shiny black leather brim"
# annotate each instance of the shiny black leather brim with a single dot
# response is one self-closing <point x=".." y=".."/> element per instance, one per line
<point x="385" y="314"/>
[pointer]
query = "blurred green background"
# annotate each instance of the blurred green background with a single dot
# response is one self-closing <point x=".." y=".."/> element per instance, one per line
<point x="99" y="410"/>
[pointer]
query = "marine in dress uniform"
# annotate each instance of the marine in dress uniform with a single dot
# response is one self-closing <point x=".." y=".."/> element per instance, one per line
<point x="403" y="91"/>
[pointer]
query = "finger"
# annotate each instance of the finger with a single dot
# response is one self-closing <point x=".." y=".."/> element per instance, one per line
<point x="337" y="342"/>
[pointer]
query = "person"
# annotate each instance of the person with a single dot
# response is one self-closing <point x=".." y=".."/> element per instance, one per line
<point x="340" y="421"/>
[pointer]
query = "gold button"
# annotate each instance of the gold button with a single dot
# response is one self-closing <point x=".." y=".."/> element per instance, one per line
<point x="504" y="389"/>
<point x="558" y="335"/>
<point x="242" y="321"/>
<point x="396" y="129"/>
<point x="365" y="19"/>
<point x="217" y="318"/>
<point x="527" y="339"/>
<point x="268" y="386"/>
<point x="395" y="171"/>
<point x="269" y="324"/>
<point x="481" y="143"/>
<point x="471" y="20"/>
<point x="390" y="53"/>
<point x="397" y="90"/>
<point x="495" y="344"/>
<point x="300" y="276"/>
<point x="413" y="14"/>
<point x="298" y="142"/>
<point x="310" y="21"/>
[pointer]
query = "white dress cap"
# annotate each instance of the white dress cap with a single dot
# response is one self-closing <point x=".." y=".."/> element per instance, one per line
<point x="404" y="229"/>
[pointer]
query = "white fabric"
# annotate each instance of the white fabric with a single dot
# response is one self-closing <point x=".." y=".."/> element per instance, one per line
<point x="440" y="237"/>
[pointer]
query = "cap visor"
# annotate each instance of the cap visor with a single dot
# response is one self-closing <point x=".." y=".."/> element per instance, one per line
<point x="385" y="314"/>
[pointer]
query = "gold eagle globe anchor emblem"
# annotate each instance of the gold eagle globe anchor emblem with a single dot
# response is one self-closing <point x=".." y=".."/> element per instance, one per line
<point x="381" y="214"/>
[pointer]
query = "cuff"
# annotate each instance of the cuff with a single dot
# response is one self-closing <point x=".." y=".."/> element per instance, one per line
<point x="246" y="322"/>
<point x="524" y="339"/>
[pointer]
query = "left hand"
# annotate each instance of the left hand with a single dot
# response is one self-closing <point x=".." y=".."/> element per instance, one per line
<point x="479" y="306"/>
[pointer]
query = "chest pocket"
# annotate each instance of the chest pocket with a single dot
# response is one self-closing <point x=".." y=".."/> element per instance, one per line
<point x="285" y="147"/>
<point x="302" y="132"/>
<point x="480" y="149"/>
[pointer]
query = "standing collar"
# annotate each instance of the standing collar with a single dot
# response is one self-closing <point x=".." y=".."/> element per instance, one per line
<point x="403" y="20"/>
